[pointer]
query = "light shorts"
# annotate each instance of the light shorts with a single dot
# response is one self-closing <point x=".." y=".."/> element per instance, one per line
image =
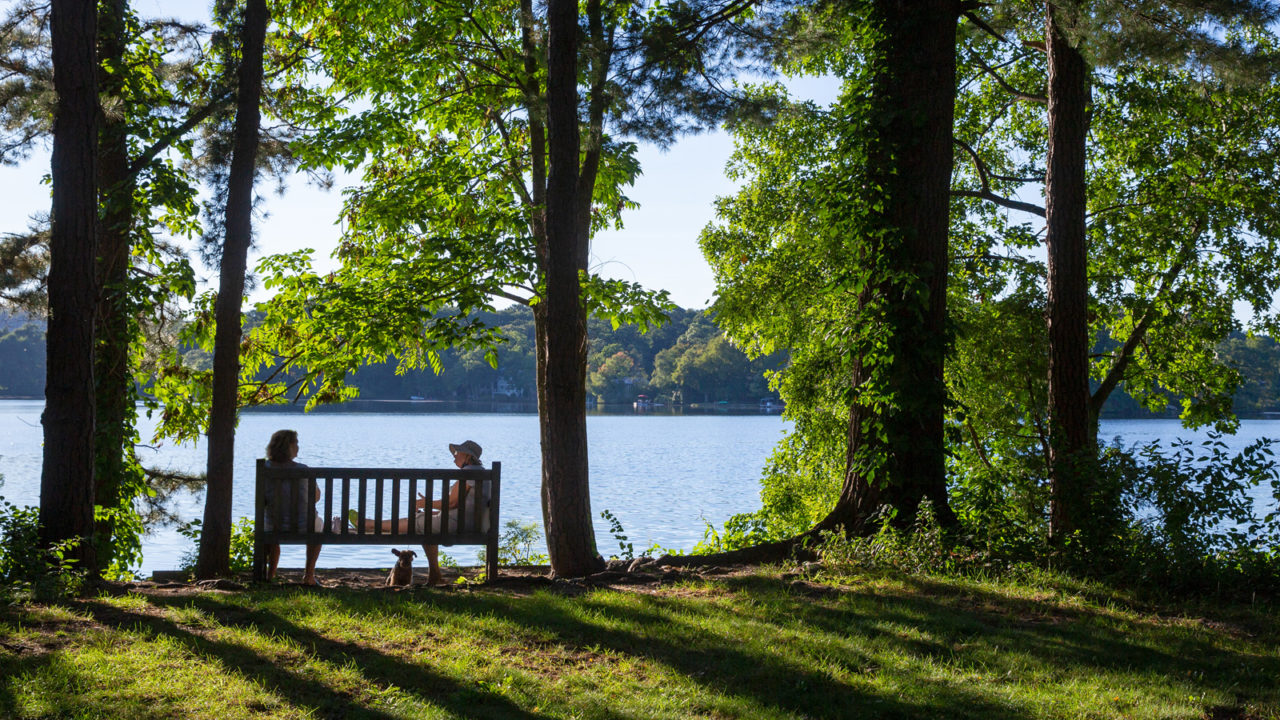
<point x="419" y="521"/>
<point x="290" y="525"/>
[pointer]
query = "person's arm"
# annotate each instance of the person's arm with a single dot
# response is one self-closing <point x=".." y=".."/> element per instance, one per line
<point x="453" y="496"/>
<point x="435" y="504"/>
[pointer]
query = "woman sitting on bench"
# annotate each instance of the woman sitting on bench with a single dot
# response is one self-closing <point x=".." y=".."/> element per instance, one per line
<point x="295" y="504"/>
<point x="466" y="455"/>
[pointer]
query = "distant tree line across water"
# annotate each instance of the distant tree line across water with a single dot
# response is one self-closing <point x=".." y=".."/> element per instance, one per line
<point x="688" y="358"/>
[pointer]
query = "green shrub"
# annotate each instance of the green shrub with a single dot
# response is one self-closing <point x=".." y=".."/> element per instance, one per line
<point x="241" y="560"/>
<point x="26" y="568"/>
<point x="625" y="549"/>
<point x="923" y="548"/>
<point x="741" y="530"/>
<point x="515" y="545"/>
<point x="1177" y="518"/>
<point x="1192" y="521"/>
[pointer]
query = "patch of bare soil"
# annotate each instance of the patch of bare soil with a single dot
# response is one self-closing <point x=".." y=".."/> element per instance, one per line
<point x="639" y="575"/>
<point x="1224" y="712"/>
<point x="46" y="635"/>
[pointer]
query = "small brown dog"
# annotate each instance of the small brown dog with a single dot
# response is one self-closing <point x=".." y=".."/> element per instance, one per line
<point x="402" y="573"/>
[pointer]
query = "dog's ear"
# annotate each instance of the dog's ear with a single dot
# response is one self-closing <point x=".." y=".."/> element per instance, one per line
<point x="397" y="552"/>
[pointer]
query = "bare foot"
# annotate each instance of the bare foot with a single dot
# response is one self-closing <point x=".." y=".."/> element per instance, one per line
<point x="435" y="579"/>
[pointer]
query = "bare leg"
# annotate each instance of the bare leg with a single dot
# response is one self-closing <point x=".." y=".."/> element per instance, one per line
<point x="434" y="577"/>
<point x="385" y="528"/>
<point x="313" y="554"/>
<point x="273" y="560"/>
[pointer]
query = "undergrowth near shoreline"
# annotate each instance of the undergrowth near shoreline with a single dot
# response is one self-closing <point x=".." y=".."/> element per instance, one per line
<point x="749" y="645"/>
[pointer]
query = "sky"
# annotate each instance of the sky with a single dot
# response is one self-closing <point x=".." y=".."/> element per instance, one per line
<point x="658" y="246"/>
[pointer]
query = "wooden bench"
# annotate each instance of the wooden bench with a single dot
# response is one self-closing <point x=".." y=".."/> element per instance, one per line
<point x="377" y="494"/>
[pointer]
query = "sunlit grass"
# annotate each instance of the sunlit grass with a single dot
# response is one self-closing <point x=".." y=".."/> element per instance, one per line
<point x="747" y="646"/>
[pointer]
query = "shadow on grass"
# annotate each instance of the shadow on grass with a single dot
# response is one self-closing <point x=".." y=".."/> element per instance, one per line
<point x="1012" y="635"/>
<point x="300" y="691"/>
<point x="721" y="666"/>
<point x="13" y="667"/>
<point x="941" y="624"/>
<point x="837" y="654"/>
<point x="780" y="677"/>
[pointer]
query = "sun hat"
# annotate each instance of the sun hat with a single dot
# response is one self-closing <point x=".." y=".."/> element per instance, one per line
<point x="469" y="447"/>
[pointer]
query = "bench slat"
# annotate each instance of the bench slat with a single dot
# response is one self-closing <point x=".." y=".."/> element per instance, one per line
<point x="328" y="505"/>
<point x="456" y="528"/>
<point x="362" y="498"/>
<point x="413" y="497"/>
<point x="395" y="505"/>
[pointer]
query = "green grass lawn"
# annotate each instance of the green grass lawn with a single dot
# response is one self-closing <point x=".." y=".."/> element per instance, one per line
<point x="739" y="646"/>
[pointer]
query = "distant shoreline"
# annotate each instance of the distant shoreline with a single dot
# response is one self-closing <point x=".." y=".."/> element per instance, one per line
<point x="444" y="407"/>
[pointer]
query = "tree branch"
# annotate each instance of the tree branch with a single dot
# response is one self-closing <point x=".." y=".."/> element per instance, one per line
<point x="1002" y="201"/>
<point x="512" y="297"/>
<point x="984" y="176"/>
<point x="592" y="148"/>
<point x="517" y="174"/>
<point x="1039" y="99"/>
<point x="981" y="24"/>
<point x="977" y="444"/>
<point x="1138" y="336"/>
<point x="219" y="101"/>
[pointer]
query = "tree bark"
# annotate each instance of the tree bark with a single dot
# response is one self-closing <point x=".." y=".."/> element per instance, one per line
<point x="114" y="321"/>
<point x="215" y="539"/>
<point x="561" y="317"/>
<point x="66" y="483"/>
<point x="910" y="160"/>
<point x="1072" y="444"/>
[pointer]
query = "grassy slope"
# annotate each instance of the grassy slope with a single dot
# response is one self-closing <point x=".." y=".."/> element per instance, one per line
<point x="748" y="646"/>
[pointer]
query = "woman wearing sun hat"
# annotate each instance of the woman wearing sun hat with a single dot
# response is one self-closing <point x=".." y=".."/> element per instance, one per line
<point x="466" y="455"/>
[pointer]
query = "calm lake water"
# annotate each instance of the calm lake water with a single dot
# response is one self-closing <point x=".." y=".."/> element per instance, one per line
<point x="663" y="476"/>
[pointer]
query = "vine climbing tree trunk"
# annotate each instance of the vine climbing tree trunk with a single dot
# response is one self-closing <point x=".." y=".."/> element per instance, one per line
<point x="114" y="322"/>
<point x="215" y="539"/>
<point x="896" y="449"/>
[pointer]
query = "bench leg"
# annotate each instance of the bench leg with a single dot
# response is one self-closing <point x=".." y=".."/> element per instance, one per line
<point x="491" y="561"/>
<point x="259" y="560"/>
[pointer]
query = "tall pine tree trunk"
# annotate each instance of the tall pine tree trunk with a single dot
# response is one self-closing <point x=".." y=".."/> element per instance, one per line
<point x="1072" y="445"/>
<point x="67" y="479"/>
<point x="561" y="318"/>
<point x="66" y="483"/>
<point x="215" y="539"/>
<point x="114" y="329"/>
<point x="896" y="453"/>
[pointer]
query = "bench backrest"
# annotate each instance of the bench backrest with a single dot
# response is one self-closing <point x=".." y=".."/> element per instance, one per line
<point x="377" y="494"/>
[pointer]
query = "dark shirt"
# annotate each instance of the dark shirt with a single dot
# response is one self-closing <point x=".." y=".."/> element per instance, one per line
<point x="293" y="516"/>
